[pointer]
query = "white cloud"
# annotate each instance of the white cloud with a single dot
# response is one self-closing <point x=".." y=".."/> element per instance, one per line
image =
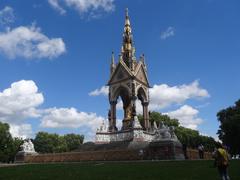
<point x="187" y="116"/>
<point x="30" y="43"/>
<point x="83" y="6"/>
<point x="170" y="31"/>
<point x="23" y="131"/>
<point x="162" y="96"/>
<point x="69" y="118"/>
<point x="7" y="15"/>
<point x="59" y="118"/>
<point x="102" y="91"/>
<point x="19" y="102"/>
<point x="55" y="4"/>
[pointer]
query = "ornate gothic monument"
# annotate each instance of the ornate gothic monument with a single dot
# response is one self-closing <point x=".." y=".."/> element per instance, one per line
<point x="133" y="140"/>
<point x="129" y="81"/>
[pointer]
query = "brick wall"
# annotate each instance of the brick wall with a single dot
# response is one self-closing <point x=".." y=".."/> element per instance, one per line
<point x="110" y="155"/>
<point x="114" y="155"/>
<point x="193" y="154"/>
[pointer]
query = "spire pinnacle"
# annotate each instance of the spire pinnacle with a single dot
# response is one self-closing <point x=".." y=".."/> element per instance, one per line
<point x="127" y="47"/>
<point x="113" y="66"/>
<point x="112" y="59"/>
<point x="127" y="21"/>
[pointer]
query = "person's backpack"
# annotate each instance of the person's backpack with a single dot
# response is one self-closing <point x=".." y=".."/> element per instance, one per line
<point x="222" y="157"/>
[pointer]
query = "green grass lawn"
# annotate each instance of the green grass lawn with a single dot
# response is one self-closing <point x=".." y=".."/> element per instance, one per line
<point x="163" y="170"/>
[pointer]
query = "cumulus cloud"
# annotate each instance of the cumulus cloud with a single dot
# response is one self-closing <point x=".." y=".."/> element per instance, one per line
<point x="30" y="43"/>
<point x="18" y="103"/>
<point x="187" y="116"/>
<point x="60" y="118"/>
<point x="102" y="91"/>
<point x="163" y="96"/>
<point x="7" y="15"/>
<point x="69" y="118"/>
<point x="21" y="102"/>
<point x="22" y="131"/>
<point x="170" y="31"/>
<point x="83" y="6"/>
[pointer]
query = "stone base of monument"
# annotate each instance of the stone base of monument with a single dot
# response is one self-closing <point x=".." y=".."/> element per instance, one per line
<point x="158" y="150"/>
<point x="21" y="156"/>
<point x="165" y="150"/>
<point x="156" y="143"/>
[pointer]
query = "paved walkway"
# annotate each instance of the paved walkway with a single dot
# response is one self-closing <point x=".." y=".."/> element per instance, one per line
<point x="10" y="165"/>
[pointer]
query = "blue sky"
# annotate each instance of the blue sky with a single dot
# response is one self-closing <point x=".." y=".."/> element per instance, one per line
<point x="54" y="53"/>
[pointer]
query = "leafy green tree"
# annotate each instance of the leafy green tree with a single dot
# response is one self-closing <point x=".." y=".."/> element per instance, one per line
<point x="60" y="145"/>
<point x="53" y="143"/>
<point x="14" y="148"/>
<point x="73" y="141"/>
<point x="5" y="142"/>
<point x="158" y="117"/>
<point x="8" y="146"/>
<point x="49" y="143"/>
<point x="229" y="129"/>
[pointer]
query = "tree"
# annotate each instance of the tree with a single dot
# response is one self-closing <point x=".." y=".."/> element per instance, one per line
<point x="73" y="141"/>
<point x="53" y="143"/>
<point x="158" y="117"/>
<point x="14" y="148"/>
<point x="8" y="146"/>
<point x="5" y="142"/>
<point x="229" y="129"/>
<point x="49" y="143"/>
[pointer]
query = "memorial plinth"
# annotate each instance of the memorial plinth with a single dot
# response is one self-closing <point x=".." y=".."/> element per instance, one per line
<point x="156" y="143"/>
<point x="27" y="149"/>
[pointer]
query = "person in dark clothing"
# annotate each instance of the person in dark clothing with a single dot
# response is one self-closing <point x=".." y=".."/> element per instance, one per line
<point x="201" y="151"/>
<point x="184" y="148"/>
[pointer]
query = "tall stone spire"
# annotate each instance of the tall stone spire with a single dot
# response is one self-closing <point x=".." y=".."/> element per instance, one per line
<point x="127" y="46"/>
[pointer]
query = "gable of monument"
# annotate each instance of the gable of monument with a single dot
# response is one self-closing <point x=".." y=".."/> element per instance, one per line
<point x="121" y="73"/>
<point x="141" y="74"/>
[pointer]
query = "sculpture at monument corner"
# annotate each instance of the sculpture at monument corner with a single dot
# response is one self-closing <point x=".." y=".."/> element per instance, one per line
<point x="103" y="128"/>
<point x="27" y="147"/>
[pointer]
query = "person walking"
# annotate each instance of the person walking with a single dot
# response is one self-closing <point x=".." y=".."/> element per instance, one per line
<point x="201" y="151"/>
<point x="222" y="161"/>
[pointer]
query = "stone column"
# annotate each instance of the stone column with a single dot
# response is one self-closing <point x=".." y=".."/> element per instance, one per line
<point x="112" y="125"/>
<point x="145" y="115"/>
